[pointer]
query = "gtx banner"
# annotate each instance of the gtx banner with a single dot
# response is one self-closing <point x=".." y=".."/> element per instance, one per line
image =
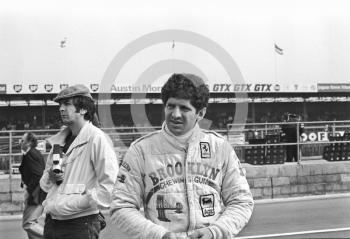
<point x="49" y="88"/>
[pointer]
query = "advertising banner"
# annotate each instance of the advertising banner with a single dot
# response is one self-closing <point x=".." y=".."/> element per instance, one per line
<point x="156" y="88"/>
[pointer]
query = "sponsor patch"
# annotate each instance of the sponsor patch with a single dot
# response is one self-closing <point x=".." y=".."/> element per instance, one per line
<point x="121" y="178"/>
<point x="126" y="166"/>
<point x="207" y="205"/>
<point x="205" y="150"/>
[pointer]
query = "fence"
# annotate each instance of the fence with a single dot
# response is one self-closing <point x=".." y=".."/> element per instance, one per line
<point x="311" y="143"/>
<point x="311" y="139"/>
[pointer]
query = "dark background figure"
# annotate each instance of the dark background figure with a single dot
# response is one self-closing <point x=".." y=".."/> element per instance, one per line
<point x="290" y="135"/>
<point x="31" y="168"/>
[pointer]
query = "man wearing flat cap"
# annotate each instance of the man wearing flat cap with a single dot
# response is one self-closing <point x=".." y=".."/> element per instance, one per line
<point x="80" y="172"/>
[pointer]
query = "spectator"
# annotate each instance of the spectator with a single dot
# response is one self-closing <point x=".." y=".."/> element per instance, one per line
<point x="290" y="135"/>
<point x="31" y="169"/>
<point x="86" y="174"/>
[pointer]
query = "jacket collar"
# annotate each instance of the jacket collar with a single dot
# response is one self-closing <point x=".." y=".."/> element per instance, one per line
<point x="82" y="137"/>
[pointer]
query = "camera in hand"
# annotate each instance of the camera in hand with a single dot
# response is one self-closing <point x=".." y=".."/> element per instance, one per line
<point x="57" y="160"/>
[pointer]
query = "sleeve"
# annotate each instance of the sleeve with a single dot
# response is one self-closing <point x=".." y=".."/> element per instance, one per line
<point x="127" y="200"/>
<point x="237" y="199"/>
<point x="106" y="167"/>
<point x="36" y="172"/>
<point x="45" y="182"/>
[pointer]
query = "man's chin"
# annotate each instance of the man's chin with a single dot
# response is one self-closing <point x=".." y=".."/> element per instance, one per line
<point x="176" y="130"/>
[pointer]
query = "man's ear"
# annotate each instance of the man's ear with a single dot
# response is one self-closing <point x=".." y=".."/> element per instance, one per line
<point x="201" y="113"/>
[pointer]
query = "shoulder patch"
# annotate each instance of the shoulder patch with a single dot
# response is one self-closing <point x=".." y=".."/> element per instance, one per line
<point x="214" y="133"/>
<point x="146" y="136"/>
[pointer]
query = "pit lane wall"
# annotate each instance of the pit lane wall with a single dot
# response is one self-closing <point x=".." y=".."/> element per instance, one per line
<point x="314" y="177"/>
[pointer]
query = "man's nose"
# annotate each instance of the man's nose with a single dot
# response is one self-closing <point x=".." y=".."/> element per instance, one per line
<point x="176" y="113"/>
<point x="61" y="108"/>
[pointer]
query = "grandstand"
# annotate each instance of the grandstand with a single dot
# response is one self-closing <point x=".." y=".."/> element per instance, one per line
<point x="38" y="111"/>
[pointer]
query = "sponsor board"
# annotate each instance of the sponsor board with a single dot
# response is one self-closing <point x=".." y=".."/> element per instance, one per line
<point x="319" y="136"/>
<point x="332" y="87"/>
<point x="50" y="88"/>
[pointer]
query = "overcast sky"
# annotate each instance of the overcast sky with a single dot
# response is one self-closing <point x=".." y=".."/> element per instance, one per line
<point x="314" y="36"/>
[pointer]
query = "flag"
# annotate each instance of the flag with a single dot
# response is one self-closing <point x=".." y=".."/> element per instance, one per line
<point x="63" y="43"/>
<point x="278" y="49"/>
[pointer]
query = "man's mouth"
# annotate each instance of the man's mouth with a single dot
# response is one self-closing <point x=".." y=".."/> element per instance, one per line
<point x="175" y="122"/>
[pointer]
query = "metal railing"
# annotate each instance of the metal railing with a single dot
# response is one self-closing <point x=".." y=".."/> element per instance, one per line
<point x="303" y="141"/>
<point x="315" y="137"/>
<point x="309" y="143"/>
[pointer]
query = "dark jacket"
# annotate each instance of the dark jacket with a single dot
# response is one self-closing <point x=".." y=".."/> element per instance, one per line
<point x="31" y="168"/>
<point x="290" y="132"/>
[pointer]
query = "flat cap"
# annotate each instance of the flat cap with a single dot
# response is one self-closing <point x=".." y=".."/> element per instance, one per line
<point x="72" y="91"/>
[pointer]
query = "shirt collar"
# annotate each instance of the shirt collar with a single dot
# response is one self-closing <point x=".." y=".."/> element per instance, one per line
<point x="24" y="152"/>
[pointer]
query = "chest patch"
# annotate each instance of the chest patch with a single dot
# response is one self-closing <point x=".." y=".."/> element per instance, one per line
<point x="205" y="150"/>
<point x="207" y="205"/>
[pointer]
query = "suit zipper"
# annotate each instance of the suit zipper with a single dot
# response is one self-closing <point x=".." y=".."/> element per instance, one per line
<point x="186" y="190"/>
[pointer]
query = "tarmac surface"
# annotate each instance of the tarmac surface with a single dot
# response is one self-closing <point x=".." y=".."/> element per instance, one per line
<point x="326" y="216"/>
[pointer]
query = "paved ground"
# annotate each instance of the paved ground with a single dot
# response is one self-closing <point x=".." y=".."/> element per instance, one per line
<point x="320" y="217"/>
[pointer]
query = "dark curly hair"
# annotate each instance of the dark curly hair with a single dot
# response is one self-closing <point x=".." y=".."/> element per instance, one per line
<point x="186" y="86"/>
<point x="82" y="102"/>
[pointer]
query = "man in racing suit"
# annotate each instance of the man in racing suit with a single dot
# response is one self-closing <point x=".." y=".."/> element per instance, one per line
<point x="189" y="181"/>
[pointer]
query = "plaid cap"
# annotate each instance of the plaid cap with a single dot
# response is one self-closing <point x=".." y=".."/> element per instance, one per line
<point x="72" y="91"/>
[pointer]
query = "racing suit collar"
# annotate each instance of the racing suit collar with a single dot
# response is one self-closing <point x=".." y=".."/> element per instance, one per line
<point x="182" y="142"/>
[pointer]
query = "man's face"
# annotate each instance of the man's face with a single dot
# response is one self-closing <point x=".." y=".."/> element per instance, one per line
<point x="181" y="116"/>
<point x="24" y="143"/>
<point x="68" y="112"/>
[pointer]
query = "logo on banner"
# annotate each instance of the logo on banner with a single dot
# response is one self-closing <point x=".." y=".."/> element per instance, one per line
<point x="2" y="88"/>
<point x="277" y="87"/>
<point x="17" y="88"/>
<point x="207" y="205"/>
<point x="48" y="87"/>
<point x="113" y="89"/>
<point x="94" y="87"/>
<point x="205" y="150"/>
<point x="63" y="86"/>
<point x="33" y="88"/>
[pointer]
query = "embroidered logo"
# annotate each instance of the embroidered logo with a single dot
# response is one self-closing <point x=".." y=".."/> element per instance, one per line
<point x="121" y="178"/>
<point x="126" y="166"/>
<point x="205" y="150"/>
<point x="207" y="205"/>
<point x="163" y="205"/>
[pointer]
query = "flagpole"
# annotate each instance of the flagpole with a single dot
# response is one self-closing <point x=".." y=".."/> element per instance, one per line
<point x="275" y="64"/>
<point x="172" y="56"/>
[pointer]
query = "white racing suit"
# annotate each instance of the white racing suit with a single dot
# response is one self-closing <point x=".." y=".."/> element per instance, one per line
<point x="181" y="190"/>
